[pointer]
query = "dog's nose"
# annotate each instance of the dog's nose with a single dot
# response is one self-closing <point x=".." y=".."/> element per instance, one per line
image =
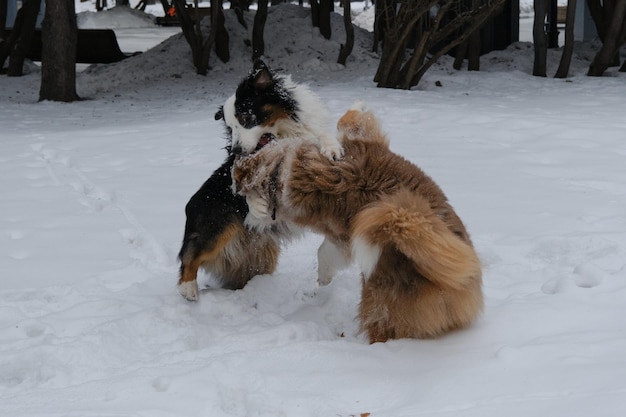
<point x="236" y="150"/>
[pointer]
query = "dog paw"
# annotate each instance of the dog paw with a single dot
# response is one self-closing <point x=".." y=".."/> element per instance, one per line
<point x="258" y="206"/>
<point x="331" y="148"/>
<point x="189" y="290"/>
<point x="324" y="280"/>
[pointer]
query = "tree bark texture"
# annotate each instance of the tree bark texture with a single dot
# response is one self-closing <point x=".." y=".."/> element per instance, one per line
<point x="58" y="54"/>
<point x="553" y="33"/>
<point x="192" y="30"/>
<point x="258" y="42"/>
<point x="21" y="37"/>
<point x="222" y="39"/>
<point x="602" y="12"/>
<point x="3" y="18"/>
<point x="459" y="56"/>
<point x="430" y="36"/>
<point x="597" y="11"/>
<point x="540" y="39"/>
<point x="469" y="49"/>
<point x="326" y="6"/>
<point x="240" y="6"/>
<point x="613" y="39"/>
<point x="384" y="12"/>
<point x="100" y="5"/>
<point x="315" y="13"/>
<point x="568" y="48"/>
<point x="473" y="52"/>
<point x="346" y="49"/>
<point x="320" y="16"/>
<point x="398" y="29"/>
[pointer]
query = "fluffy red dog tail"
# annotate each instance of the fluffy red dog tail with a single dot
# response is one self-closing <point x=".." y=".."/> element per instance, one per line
<point x="405" y="222"/>
<point x="360" y="123"/>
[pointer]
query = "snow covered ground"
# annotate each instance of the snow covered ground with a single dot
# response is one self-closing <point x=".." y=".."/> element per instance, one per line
<point x="91" y="219"/>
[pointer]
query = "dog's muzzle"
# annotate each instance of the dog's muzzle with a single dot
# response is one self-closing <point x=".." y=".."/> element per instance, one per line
<point x="236" y="150"/>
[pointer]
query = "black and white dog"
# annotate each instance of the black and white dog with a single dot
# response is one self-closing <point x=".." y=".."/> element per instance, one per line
<point x="266" y="106"/>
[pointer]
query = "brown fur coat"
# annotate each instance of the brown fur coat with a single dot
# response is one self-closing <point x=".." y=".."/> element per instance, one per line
<point x="421" y="275"/>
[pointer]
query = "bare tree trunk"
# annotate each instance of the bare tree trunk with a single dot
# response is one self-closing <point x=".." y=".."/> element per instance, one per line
<point x="240" y="6"/>
<point x="397" y="30"/>
<point x="427" y="39"/>
<point x="258" y="43"/>
<point x="3" y="18"/>
<point x="346" y="50"/>
<point x="602" y="12"/>
<point x="613" y="39"/>
<point x="384" y="13"/>
<point x="473" y="49"/>
<point x="216" y="8"/>
<point x="7" y="42"/>
<point x="596" y="10"/>
<point x="188" y="30"/>
<point x="459" y="57"/>
<point x="553" y="33"/>
<point x="469" y="49"/>
<point x="26" y="32"/>
<point x="434" y="36"/>
<point x="320" y="16"/>
<point x="476" y="21"/>
<point x="315" y="13"/>
<point x="539" y="39"/>
<point x="326" y="6"/>
<point x="473" y="46"/>
<point x="58" y="54"/>
<point x="568" y="49"/>
<point x="222" y="39"/>
<point x="200" y="48"/>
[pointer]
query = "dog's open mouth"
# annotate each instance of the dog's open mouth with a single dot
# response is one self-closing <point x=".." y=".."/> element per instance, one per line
<point x="264" y="140"/>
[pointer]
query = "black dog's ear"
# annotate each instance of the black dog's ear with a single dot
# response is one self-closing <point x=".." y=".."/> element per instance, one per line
<point x="219" y="115"/>
<point x="261" y="75"/>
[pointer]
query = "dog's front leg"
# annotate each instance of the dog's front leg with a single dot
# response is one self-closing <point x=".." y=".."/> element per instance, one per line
<point x="330" y="146"/>
<point x="259" y="207"/>
<point x="256" y="178"/>
<point x="189" y="290"/>
<point x="330" y="259"/>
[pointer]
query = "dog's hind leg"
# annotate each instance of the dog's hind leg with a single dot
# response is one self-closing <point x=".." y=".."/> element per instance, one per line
<point x="330" y="259"/>
<point x="196" y="253"/>
<point x="248" y="255"/>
